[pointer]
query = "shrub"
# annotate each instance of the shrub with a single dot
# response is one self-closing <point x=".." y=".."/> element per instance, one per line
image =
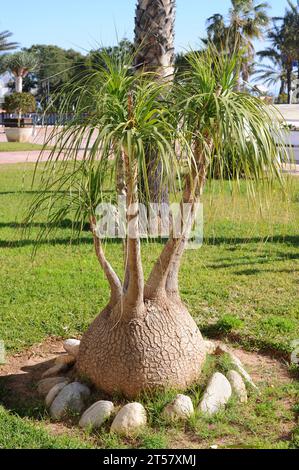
<point x="20" y="103"/>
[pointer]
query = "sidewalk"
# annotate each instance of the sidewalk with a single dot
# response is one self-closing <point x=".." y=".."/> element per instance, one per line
<point x="7" y="158"/>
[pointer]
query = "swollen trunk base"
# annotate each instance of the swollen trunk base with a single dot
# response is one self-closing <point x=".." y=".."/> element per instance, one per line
<point x="159" y="346"/>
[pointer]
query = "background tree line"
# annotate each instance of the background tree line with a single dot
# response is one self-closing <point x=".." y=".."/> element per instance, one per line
<point x="246" y="22"/>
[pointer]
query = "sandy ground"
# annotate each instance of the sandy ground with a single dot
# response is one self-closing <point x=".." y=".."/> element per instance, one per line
<point x="19" y="377"/>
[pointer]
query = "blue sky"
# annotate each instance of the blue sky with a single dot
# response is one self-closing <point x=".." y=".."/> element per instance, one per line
<point x="82" y="24"/>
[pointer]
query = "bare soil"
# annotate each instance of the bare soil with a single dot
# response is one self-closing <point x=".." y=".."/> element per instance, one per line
<point x="19" y="378"/>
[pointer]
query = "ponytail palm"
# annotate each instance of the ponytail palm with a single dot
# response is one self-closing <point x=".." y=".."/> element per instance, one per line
<point x="20" y="64"/>
<point x="145" y="338"/>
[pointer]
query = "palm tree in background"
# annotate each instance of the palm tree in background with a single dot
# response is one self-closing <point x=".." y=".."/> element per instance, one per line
<point x="290" y="30"/>
<point x="281" y="57"/>
<point x="247" y="21"/>
<point x="4" y="44"/>
<point x="273" y="73"/>
<point x="154" y="44"/>
<point x="20" y="65"/>
<point x="283" y="51"/>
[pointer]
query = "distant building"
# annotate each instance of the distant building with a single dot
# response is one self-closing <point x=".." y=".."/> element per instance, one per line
<point x="295" y="92"/>
<point x="4" y="89"/>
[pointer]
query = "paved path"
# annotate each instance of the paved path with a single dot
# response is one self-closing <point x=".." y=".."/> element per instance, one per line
<point x="7" y="158"/>
<point x="32" y="156"/>
<point x="21" y="157"/>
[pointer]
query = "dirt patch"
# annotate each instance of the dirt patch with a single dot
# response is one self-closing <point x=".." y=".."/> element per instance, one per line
<point x="19" y="377"/>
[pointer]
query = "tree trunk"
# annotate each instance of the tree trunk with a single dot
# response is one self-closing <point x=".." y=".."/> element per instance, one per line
<point x="147" y="340"/>
<point x="282" y="87"/>
<point x="154" y="43"/>
<point x="19" y="84"/>
<point x="289" y="83"/>
<point x="154" y="36"/>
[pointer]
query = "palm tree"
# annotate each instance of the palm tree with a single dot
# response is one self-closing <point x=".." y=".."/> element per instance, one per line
<point x="284" y="49"/>
<point x="4" y="44"/>
<point x="145" y="338"/>
<point x="271" y="74"/>
<point x="217" y="30"/>
<point x="290" y="30"/>
<point x="20" y="65"/>
<point x="279" y="55"/>
<point x="154" y="44"/>
<point x="154" y="36"/>
<point x="247" y="21"/>
<point x="285" y="41"/>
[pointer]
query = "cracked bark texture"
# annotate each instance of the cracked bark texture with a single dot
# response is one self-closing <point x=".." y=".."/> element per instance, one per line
<point x="158" y="347"/>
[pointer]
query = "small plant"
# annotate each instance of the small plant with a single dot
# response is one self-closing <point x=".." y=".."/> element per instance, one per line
<point x="229" y="322"/>
<point x="20" y="103"/>
<point x="225" y="363"/>
<point x="276" y="323"/>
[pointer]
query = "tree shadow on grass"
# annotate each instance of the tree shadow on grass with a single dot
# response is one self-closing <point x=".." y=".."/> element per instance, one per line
<point x="19" y="386"/>
<point x="67" y="224"/>
<point x="18" y="391"/>
<point x="292" y="240"/>
<point x="260" y="260"/>
<point x="254" y="272"/>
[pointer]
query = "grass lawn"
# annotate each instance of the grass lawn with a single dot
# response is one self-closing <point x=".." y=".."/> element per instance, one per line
<point x="18" y="147"/>
<point x="242" y="285"/>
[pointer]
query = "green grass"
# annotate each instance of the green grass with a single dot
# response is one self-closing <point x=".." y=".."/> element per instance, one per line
<point x="242" y="284"/>
<point x="18" y="147"/>
<point x="17" y="433"/>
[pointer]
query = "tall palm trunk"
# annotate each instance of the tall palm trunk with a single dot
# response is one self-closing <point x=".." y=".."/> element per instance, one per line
<point x="154" y="36"/>
<point x="154" y="43"/>
<point x="282" y="87"/>
<point x="289" y="82"/>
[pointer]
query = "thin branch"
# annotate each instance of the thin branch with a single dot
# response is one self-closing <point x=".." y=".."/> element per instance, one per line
<point x="134" y="278"/>
<point x="112" y="277"/>
<point x="164" y="275"/>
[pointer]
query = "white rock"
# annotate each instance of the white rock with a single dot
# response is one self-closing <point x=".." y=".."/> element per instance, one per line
<point x="54" y="392"/>
<point x="210" y="346"/>
<point x="129" y="419"/>
<point x="238" y="385"/>
<point x="66" y="359"/>
<point x="96" y="415"/>
<point x="45" y="385"/>
<point x="71" y="346"/>
<point x="222" y="349"/>
<point x="217" y="394"/>
<point x="71" y="398"/>
<point x="55" y="370"/>
<point x="180" y="408"/>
